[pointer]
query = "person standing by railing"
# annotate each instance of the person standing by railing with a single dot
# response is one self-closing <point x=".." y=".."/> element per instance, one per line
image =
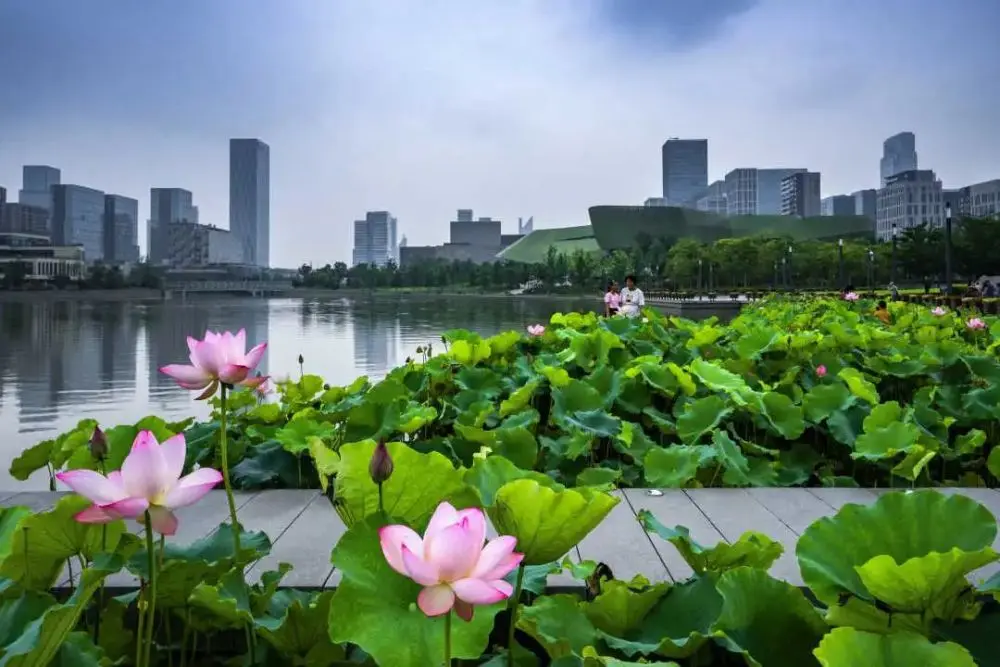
<point x="612" y="299"/>
<point x="632" y="299"/>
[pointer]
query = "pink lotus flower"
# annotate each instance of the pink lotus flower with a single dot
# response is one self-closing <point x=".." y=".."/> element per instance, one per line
<point x="451" y="563"/>
<point x="939" y="311"/>
<point x="821" y="370"/>
<point x="149" y="480"/>
<point x="536" y="329"/>
<point x="975" y="324"/>
<point x="218" y="358"/>
<point x="851" y="296"/>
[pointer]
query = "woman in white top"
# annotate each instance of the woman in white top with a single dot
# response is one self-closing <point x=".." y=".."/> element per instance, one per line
<point x="632" y="299"/>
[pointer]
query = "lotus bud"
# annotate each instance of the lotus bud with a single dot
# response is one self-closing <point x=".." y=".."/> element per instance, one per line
<point x="326" y="387"/>
<point x="98" y="444"/>
<point x="380" y="467"/>
<point x="420" y="349"/>
<point x="301" y="360"/>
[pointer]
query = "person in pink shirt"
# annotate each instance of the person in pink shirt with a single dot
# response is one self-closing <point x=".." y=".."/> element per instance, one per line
<point x="612" y="300"/>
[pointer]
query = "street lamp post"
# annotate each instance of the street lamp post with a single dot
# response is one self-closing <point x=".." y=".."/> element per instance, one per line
<point x="871" y="270"/>
<point x="788" y="279"/>
<point x="775" y="275"/>
<point x="947" y="247"/>
<point x="892" y="266"/>
<point x="840" y="262"/>
<point x="784" y="272"/>
<point x="711" y="276"/>
<point x="699" y="274"/>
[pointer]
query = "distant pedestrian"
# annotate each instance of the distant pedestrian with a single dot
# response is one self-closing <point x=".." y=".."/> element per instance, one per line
<point x="632" y="299"/>
<point x="612" y="299"/>
<point x="882" y="312"/>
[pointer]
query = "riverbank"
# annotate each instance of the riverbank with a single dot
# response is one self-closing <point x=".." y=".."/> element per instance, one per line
<point x="154" y="295"/>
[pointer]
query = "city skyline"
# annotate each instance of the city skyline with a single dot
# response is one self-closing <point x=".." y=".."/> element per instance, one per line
<point x="419" y="135"/>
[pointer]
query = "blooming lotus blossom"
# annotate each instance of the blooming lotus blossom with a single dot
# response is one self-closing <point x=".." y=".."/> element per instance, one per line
<point x="821" y="370"/>
<point x="536" y="329"/>
<point x="149" y="480"/>
<point x="450" y="561"/>
<point x="218" y="358"/>
<point x="939" y="311"/>
<point x="851" y="296"/>
<point x="975" y="324"/>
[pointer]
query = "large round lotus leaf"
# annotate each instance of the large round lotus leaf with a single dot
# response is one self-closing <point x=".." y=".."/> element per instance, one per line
<point x="899" y="525"/>
<point x="847" y="647"/>
<point x="547" y="522"/>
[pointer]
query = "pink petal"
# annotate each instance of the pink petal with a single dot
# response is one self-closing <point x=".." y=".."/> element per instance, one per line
<point x="96" y="514"/>
<point x="174" y="450"/>
<point x="444" y="516"/>
<point x="192" y="488"/>
<point x="162" y="520"/>
<point x="233" y="373"/>
<point x="464" y="610"/>
<point x="453" y="551"/>
<point x="128" y="508"/>
<point x="92" y="485"/>
<point x="144" y="471"/>
<point x="237" y="345"/>
<point x="254" y="356"/>
<point x="392" y="540"/>
<point x="476" y="522"/>
<point x="192" y="344"/>
<point x="497" y="559"/>
<point x="477" y="591"/>
<point x="208" y="355"/>
<point x="188" y="377"/>
<point x="416" y="568"/>
<point x="256" y="382"/>
<point x="436" y="600"/>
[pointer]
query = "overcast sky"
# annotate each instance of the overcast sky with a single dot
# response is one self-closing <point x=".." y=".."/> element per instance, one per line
<point x="510" y="107"/>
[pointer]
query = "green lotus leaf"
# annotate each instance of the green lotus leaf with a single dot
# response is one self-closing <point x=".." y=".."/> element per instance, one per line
<point x="547" y="522"/>
<point x="488" y="475"/>
<point x="971" y="442"/>
<point x="701" y="416"/>
<point x="824" y="400"/>
<point x="602" y="477"/>
<point x="372" y="597"/>
<point x="297" y="624"/>
<point x="752" y="549"/>
<point x="621" y="606"/>
<point x="592" y="659"/>
<point x="419" y="483"/>
<point x="859" y="385"/>
<point x="559" y="624"/>
<point x="769" y="621"/>
<point x="886" y="433"/>
<point x="231" y="602"/>
<point x="782" y="414"/>
<point x="519" y="399"/>
<point x="833" y="550"/>
<point x="717" y="378"/>
<point x="469" y="352"/>
<point x="844" y="647"/>
<point x="35" y="547"/>
<point x="674" y="467"/>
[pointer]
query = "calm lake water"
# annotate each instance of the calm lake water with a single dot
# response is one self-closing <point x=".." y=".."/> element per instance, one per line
<point x="65" y="361"/>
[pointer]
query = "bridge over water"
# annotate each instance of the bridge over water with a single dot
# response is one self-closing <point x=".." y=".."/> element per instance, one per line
<point x="251" y="287"/>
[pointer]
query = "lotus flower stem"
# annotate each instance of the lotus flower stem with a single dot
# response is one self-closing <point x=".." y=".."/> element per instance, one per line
<point x="381" y="501"/>
<point x="151" y="564"/>
<point x="514" y="600"/>
<point x="447" y="639"/>
<point x="224" y="461"/>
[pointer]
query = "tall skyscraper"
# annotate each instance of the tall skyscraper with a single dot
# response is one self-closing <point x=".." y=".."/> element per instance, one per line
<point x="250" y="198"/>
<point x="166" y="206"/>
<point x="800" y="194"/>
<point x="899" y="154"/>
<point x="752" y="191"/>
<point x="78" y="219"/>
<point x="909" y="199"/>
<point x="36" y="188"/>
<point x="685" y="170"/>
<point x="838" y="205"/>
<point x="121" y="229"/>
<point x="865" y="203"/>
<point x="375" y="239"/>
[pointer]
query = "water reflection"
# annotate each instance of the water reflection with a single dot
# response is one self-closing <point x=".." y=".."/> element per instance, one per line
<point x="68" y="360"/>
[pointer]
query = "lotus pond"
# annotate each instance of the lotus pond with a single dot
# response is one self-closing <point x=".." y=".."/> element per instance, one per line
<point x="532" y="432"/>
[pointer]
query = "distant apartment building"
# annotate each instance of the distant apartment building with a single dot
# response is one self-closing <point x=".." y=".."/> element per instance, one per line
<point x="800" y="194"/>
<point x="752" y="191"/>
<point x="78" y="219"/>
<point x="3" y="195"/>
<point x="865" y="203"/>
<point x="483" y="232"/>
<point x="713" y="199"/>
<point x="192" y="245"/>
<point x="250" y="198"/>
<point x="837" y="205"/>
<point x="167" y="206"/>
<point x="24" y="219"/>
<point x="655" y="201"/>
<point x="909" y="199"/>
<point x="121" y="229"/>
<point x="375" y="240"/>
<point x="685" y="170"/>
<point x="525" y="227"/>
<point x="980" y="200"/>
<point x="899" y="154"/>
<point x="39" y="258"/>
<point x="36" y="187"/>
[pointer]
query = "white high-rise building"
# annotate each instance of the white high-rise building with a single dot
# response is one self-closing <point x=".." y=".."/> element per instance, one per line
<point x="752" y="191"/>
<point x="909" y="199"/>
<point x="375" y="240"/>
<point x="899" y="154"/>
<point x="250" y="198"/>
